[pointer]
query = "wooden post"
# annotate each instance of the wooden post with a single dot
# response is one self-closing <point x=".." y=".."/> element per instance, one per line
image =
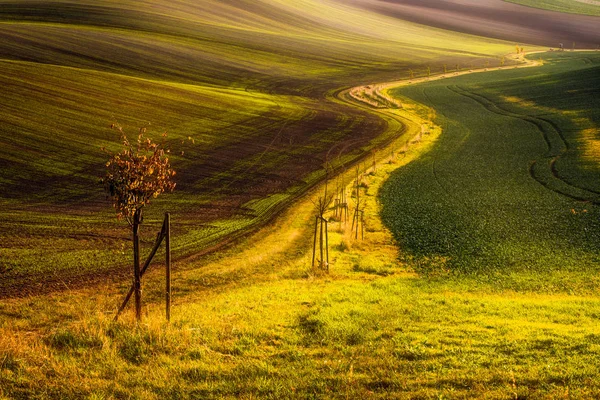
<point x="327" y="243"/>
<point x="357" y="222"/>
<point x="343" y="211"/>
<point x="137" y="276"/>
<point x="167" y="225"/>
<point x="321" y="260"/>
<point x="355" y="214"/>
<point x="159" y="239"/>
<point x="315" y="241"/>
<point x="346" y="203"/>
<point x="362" y="225"/>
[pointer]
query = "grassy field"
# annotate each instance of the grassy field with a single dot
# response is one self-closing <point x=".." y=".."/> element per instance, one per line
<point x="566" y="6"/>
<point x="511" y="190"/>
<point x="243" y="90"/>
<point x="258" y="322"/>
<point x="486" y="286"/>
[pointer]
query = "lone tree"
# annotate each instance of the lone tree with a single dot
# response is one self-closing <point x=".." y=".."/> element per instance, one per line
<point x="135" y="175"/>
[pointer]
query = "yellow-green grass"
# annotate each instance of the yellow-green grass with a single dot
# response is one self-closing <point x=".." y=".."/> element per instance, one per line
<point x="510" y="193"/>
<point x="243" y="92"/>
<point x="258" y="322"/>
<point x="567" y="6"/>
<point x="59" y="220"/>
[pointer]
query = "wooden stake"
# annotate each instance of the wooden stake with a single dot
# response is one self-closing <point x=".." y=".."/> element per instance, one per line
<point x="327" y="243"/>
<point x="362" y="225"/>
<point x="357" y="203"/>
<point x="159" y="240"/>
<point x="357" y="222"/>
<point x="167" y="230"/>
<point x="321" y="260"/>
<point x="137" y="276"/>
<point x="315" y="241"/>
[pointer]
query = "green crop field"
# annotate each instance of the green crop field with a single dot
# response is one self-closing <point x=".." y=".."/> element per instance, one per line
<point x="478" y="274"/>
<point x="243" y="92"/>
<point x="566" y="6"/>
<point x="511" y="189"/>
<point x="256" y="321"/>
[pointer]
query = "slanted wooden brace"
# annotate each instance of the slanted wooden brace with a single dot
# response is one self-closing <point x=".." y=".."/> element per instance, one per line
<point x="164" y="234"/>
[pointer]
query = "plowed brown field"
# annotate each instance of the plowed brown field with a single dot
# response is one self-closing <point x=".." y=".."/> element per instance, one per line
<point x="495" y="18"/>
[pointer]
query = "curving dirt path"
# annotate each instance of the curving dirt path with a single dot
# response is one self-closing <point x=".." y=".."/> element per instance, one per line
<point x="380" y="89"/>
<point x="592" y="2"/>
<point x="543" y="171"/>
<point x="60" y="283"/>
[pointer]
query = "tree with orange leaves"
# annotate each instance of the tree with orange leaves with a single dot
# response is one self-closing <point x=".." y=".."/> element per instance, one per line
<point x="135" y="175"/>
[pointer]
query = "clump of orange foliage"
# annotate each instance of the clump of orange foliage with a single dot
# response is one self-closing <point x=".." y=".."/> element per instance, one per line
<point x="138" y="173"/>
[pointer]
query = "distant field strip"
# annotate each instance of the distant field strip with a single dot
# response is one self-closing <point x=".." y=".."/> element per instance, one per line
<point x="509" y="186"/>
<point x="585" y="7"/>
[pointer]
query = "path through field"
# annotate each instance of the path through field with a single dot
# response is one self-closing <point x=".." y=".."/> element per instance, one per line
<point x="242" y="89"/>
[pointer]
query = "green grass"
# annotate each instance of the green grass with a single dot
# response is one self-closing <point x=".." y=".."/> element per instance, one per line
<point x="386" y="338"/>
<point x="566" y="6"/>
<point x="257" y="322"/>
<point x="510" y="191"/>
<point x="251" y="85"/>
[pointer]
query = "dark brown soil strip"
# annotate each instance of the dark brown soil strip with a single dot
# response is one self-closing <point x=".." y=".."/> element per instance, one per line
<point x="495" y="19"/>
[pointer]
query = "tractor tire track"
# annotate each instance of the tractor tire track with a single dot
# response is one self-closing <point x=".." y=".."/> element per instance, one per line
<point x="554" y="153"/>
<point x="434" y="163"/>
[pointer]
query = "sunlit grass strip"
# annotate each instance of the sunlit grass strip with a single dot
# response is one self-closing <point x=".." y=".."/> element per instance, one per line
<point x="255" y="322"/>
<point x="586" y="7"/>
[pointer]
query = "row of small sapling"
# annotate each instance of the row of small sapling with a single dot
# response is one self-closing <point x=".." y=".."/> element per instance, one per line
<point x="141" y="172"/>
<point x="340" y="209"/>
<point x="457" y="67"/>
<point x="338" y="204"/>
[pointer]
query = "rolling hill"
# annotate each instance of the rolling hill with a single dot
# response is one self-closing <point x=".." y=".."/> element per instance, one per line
<point x="242" y="88"/>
